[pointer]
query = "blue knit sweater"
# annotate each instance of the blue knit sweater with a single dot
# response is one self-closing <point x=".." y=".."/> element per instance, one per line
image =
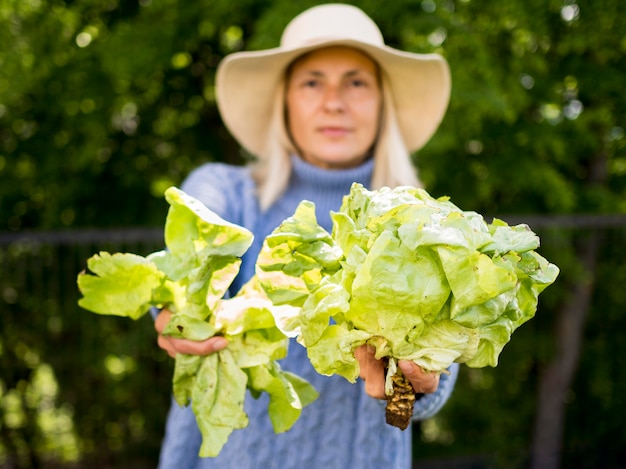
<point x="344" y="428"/>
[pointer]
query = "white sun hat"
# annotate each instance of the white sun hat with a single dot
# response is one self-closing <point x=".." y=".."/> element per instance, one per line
<point x="246" y="82"/>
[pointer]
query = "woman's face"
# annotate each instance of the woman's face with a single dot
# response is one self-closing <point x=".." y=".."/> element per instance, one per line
<point x="333" y="106"/>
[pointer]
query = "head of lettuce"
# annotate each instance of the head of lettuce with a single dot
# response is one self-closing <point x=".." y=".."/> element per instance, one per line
<point x="414" y="276"/>
<point x="190" y="278"/>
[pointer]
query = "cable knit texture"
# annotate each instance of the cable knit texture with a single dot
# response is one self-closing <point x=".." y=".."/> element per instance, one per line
<point x="344" y="428"/>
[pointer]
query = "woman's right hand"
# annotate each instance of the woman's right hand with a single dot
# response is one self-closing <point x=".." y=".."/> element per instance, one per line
<point x="190" y="347"/>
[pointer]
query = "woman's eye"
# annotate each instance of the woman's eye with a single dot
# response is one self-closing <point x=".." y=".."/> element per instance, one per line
<point x="311" y="84"/>
<point x="358" y="83"/>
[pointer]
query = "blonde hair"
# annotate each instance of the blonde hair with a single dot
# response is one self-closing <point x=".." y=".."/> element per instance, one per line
<point x="272" y="168"/>
<point x="393" y="165"/>
<point x="392" y="161"/>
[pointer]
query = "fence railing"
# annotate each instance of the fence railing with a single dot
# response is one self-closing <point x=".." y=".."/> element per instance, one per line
<point x="154" y="235"/>
<point x="72" y="384"/>
<point x="115" y="423"/>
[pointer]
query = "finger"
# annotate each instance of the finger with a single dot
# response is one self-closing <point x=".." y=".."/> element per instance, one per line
<point x="368" y="364"/>
<point x="173" y="345"/>
<point x="361" y="354"/>
<point x="204" y="347"/>
<point x="372" y="371"/>
<point x="165" y="345"/>
<point x="422" y="381"/>
<point x="162" y="319"/>
<point x="375" y="385"/>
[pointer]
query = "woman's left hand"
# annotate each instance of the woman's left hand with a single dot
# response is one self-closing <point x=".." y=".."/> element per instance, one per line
<point x="372" y="371"/>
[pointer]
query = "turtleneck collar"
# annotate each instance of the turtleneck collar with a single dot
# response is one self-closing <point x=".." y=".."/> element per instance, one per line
<point x="306" y="173"/>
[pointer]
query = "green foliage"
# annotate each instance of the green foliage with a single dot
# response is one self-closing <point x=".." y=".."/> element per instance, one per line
<point x="73" y="390"/>
<point x="117" y="101"/>
<point x="410" y="275"/>
<point x="190" y="278"/>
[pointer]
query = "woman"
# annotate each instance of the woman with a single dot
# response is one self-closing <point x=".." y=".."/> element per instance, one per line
<point x="331" y="106"/>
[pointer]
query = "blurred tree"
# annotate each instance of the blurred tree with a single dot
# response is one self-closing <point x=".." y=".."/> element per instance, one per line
<point x="105" y="105"/>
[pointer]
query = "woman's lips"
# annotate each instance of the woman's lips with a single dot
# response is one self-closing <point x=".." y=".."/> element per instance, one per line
<point x="334" y="132"/>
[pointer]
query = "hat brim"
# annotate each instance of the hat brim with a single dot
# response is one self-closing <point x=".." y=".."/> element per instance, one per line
<point x="246" y="83"/>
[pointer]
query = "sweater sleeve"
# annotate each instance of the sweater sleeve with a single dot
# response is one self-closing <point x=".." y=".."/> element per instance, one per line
<point x="430" y="404"/>
<point x="225" y="189"/>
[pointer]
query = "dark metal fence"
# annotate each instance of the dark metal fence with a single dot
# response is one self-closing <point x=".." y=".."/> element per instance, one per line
<point x="78" y="390"/>
<point x="73" y="384"/>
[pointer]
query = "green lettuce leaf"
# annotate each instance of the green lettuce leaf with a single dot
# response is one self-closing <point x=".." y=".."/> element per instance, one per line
<point x="288" y="394"/>
<point x="418" y="278"/>
<point x="217" y="400"/>
<point x="121" y="284"/>
<point x="190" y="278"/>
<point x="295" y="257"/>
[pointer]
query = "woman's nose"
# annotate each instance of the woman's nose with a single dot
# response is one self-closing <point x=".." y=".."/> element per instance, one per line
<point x="333" y="100"/>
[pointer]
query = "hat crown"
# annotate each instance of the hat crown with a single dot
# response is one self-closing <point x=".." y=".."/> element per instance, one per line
<point x="419" y="84"/>
<point x="331" y="22"/>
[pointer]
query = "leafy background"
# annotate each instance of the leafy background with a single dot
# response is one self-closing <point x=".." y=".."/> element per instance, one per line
<point x="106" y="103"/>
